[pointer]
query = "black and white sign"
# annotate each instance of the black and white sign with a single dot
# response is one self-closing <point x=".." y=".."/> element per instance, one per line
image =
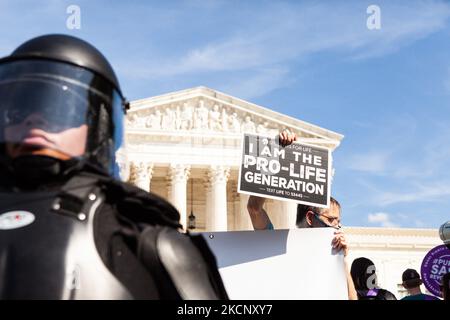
<point x="296" y="172"/>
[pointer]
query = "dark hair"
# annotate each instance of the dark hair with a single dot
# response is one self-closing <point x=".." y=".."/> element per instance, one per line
<point x="361" y="273"/>
<point x="411" y="279"/>
<point x="303" y="209"/>
<point x="409" y="284"/>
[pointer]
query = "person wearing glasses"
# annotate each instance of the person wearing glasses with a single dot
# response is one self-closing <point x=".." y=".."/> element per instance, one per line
<point x="307" y="217"/>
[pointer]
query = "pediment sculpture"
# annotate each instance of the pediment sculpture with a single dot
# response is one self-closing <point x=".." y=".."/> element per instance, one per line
<point x="200" y="115"/>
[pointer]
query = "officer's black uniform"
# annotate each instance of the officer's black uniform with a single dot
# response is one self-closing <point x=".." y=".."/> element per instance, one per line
<point x="68" y="230"/>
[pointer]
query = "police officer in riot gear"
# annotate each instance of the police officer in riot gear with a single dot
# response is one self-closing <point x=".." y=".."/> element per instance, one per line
<point x="69" y="229"/>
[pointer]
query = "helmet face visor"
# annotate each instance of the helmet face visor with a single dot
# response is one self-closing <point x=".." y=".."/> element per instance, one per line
<point x="63" y="109"/>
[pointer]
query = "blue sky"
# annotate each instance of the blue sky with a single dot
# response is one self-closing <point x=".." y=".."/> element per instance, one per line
<point x="387" y="90"/>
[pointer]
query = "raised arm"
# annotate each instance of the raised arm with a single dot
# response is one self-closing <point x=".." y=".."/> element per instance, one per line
<point x="258" y="215"/>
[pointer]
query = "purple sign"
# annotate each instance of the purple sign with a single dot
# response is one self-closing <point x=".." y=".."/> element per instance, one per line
<point x="435" y="264"/>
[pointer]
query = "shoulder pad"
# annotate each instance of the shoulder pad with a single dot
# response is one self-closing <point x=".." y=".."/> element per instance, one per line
<point x="185" y="265"/>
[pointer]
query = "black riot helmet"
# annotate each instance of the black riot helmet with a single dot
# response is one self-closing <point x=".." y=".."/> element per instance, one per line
<point x="60" y="98"/>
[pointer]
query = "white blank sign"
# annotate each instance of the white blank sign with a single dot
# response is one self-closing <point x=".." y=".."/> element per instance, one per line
<point x="279" y="264"/>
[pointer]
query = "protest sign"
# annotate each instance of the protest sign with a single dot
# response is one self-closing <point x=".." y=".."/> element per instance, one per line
<point x="435" y="264"/>
<point x="296" y="172"/>
<point x="279" y="264"/>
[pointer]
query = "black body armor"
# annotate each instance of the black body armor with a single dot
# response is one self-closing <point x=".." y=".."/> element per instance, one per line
<point x="48" y="246"/>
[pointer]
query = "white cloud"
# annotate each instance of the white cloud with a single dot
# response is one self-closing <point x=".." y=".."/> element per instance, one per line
<point x="409" y="170"/>
<point x="403" y="24"/>
<point x="287" y="32"/>
<point x="260" y="42"/>
<point x="371" y="162"/>
<point x="433" y="158"/>
<point x="282" y="33"/>
<point x="258" y="84"/>
<point x="382" y="219"/>
<point x="428" y="192"/>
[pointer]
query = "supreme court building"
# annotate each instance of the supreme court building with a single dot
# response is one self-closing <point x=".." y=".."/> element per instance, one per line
<point x="186" y="146"/>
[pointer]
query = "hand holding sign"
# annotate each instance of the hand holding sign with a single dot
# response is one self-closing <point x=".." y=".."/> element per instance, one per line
<point x="287" y="137"/>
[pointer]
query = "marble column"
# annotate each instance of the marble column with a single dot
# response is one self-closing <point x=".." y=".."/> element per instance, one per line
<point x="141" y="175"/>
<point x="218" y="176"/>
<point x="288" y="215"/>
<point x="208" y="204"/>
<point x="178" y="176"/>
